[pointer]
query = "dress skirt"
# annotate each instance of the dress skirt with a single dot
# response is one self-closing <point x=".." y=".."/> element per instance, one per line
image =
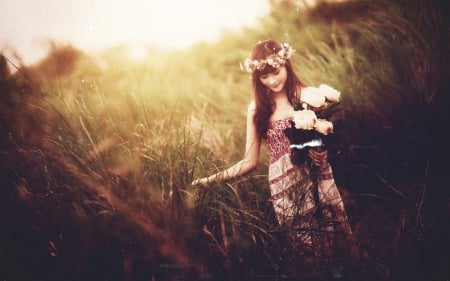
<point x="307" y="203"/>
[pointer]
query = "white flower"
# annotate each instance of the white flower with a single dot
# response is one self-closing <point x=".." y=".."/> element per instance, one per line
<point x="274" y="60"/>
<point x="304" y="119"/>
<point x="331" y="94"/>
<point x="312" y="96"/>
<point x="323" y="126"/>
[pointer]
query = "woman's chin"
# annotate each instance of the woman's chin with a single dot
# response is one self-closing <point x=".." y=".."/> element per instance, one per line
<point x="277" y="90"/>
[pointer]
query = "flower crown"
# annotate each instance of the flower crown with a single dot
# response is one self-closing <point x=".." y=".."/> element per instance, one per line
<point x="275" y="60"/>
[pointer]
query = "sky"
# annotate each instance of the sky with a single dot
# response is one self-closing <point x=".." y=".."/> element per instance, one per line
<point x="26" y="26"/>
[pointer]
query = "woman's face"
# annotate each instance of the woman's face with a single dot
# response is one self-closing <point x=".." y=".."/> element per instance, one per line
<point x="276" y="80"/>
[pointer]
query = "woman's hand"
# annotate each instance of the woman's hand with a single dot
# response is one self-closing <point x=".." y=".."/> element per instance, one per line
<point x="203" y="182"/>
<point x="319" y="157"/>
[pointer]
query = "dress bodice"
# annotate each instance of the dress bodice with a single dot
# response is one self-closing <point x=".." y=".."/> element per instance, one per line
<point x="277" y="142"/>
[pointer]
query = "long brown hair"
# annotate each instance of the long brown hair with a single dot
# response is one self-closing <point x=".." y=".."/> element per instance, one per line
<point x="264" y="103"/>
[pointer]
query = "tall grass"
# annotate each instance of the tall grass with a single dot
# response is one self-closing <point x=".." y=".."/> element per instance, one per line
<point x="100" y="150"/>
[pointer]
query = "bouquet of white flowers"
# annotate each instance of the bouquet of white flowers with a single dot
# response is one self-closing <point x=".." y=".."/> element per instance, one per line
<point x="314" y="120"/>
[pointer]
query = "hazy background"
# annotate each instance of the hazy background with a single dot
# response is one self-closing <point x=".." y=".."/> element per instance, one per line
<point x="92" y="25"/>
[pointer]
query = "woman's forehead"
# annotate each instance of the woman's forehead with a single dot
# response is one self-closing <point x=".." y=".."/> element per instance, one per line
<point x="267" y="70"/>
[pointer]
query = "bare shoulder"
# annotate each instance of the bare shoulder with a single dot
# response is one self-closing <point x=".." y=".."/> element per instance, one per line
<point x="251" y="106"/>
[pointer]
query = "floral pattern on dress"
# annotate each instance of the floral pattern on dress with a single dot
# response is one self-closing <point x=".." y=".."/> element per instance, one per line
<point x="292" y="197"/>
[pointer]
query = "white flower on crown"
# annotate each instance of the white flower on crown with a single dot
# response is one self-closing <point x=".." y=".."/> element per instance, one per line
<point x="275" y="60"/>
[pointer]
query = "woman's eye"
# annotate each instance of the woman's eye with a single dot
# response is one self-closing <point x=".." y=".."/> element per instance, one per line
<point x="276" y="72"/>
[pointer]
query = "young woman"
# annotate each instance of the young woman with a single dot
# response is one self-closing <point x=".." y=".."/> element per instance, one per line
<point x="310" y="208"/>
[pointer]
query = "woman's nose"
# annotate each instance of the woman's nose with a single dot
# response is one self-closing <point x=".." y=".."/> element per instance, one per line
<point x="272" y="80"/>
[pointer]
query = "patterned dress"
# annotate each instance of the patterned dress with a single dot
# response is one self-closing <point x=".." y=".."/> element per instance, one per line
<point x="311" y="211"/>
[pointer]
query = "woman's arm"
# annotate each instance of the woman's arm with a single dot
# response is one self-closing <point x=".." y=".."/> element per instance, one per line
<point x="251" y="156"/>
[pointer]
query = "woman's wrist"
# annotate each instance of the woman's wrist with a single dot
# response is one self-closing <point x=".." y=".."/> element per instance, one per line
<point x="201" y="182"/>
<point x="325" y="166"/>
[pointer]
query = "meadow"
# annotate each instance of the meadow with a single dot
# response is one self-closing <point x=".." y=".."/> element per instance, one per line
<point x="99" y="150"/>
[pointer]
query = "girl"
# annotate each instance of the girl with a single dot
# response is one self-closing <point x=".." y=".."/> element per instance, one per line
<point x="310" y="208"/>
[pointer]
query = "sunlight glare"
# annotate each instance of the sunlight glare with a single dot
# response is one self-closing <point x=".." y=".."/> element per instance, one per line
<point x="137" y="51"/>
<point x="99" y="24"/>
